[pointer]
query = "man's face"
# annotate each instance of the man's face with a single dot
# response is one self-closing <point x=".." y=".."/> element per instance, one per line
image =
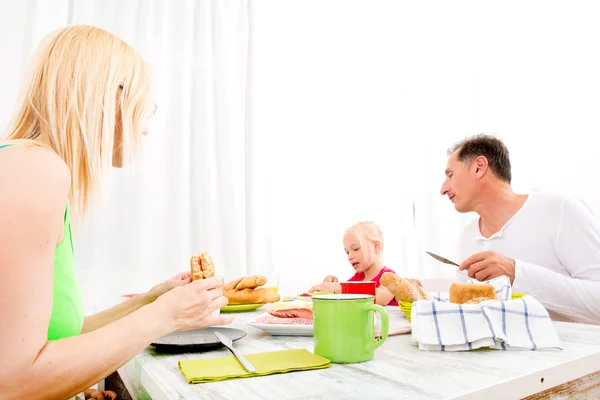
<point x="461" y="184"/>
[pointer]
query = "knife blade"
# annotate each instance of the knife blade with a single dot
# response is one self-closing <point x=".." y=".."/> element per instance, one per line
<point x="229" y="344"/>
<point x="441" y="259"/>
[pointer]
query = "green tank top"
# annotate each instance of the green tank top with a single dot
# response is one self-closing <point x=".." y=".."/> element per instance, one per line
<point x="67" y="303"/>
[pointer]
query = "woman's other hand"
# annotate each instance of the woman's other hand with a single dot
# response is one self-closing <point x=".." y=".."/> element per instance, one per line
<point x="182" y="278"/>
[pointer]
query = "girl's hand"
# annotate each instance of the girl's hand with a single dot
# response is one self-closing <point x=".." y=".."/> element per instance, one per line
<point x="191" y="306"/>
<point x="330" y="278"/>
<point x="326" y="287"/>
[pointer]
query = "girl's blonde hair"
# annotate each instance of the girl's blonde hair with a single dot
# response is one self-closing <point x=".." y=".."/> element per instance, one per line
<point x="367" y="231"/>
<point x="85" y="86"/>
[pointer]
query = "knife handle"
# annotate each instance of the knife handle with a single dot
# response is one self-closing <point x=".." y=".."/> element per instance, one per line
<point x="242" y="360"/>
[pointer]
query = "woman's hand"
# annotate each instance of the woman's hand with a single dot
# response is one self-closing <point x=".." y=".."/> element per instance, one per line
<point x="191" y="306"/>
<point x="326" y="287"/>
<point x="182" y="278"/>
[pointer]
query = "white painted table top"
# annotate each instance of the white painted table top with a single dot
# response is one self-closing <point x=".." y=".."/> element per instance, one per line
<point x="398" y="371"/>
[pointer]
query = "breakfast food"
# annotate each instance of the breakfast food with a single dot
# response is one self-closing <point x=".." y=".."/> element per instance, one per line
<point x="251" y="296"/>
<point x="201" y="266"/>
<point x="292" y="313"/>
<point x="246" y="283"/>
<point x="415" y="281"/>
<point x="286" y="305"/>
<point x="403" y="289"/>
<point x="231" y="285"/>
<point x="291" y="316"/>
<point x="303" y="313"/>
<point x="461" y="293"/>
<point x="478" y="300"/>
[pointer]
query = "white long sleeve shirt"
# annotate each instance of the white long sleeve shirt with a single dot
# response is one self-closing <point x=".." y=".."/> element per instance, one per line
<point x="555" y="241"/>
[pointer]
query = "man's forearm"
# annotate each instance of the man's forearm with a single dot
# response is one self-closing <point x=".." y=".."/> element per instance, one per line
<point x="112" y="314"/>
<point x="575" y="298"/>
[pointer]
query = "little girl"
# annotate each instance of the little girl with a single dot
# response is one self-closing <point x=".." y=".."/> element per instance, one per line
<point x="363" y="243"/>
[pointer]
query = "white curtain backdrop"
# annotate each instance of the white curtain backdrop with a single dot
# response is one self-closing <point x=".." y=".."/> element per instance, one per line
<point x="362" y="98"/>
<point x="281" y="122"/>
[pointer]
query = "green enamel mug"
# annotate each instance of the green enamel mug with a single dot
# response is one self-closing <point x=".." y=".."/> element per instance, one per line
<point x="344" y="327"/>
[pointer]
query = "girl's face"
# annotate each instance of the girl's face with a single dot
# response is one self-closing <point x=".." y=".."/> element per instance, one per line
<point x="359" y="257"/>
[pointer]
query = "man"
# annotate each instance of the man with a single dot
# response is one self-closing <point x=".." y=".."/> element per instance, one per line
<point x="547" y="244"/>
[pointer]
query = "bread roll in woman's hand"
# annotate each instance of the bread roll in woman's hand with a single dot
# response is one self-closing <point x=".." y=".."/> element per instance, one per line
<point x="403" y="289"/>
<point x="201" y="266"/>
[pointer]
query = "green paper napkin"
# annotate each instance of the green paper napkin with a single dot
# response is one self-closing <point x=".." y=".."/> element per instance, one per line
<point x="275" y="362"/>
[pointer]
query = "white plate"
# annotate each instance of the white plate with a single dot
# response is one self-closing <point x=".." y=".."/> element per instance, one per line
<point x="283" y="329"/>
<point x="398" y="325"/>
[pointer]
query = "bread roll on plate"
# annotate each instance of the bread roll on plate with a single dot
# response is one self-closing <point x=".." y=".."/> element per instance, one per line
<point x="461" y="293"/>
<point x="251" y="296"/>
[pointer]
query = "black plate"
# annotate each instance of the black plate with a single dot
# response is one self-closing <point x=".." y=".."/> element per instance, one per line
<point x="200" y="340"/>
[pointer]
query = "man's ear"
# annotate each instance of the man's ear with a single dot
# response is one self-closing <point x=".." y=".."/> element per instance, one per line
<point x="480" y="166"/>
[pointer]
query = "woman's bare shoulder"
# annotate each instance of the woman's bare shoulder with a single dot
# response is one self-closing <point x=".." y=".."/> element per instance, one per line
<point x="23" y="160"/>
<point x="29" y="172"/>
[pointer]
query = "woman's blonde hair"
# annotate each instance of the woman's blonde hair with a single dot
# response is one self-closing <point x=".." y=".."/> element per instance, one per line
<point x="367" y="231"/>
<point x="85" y="86"/>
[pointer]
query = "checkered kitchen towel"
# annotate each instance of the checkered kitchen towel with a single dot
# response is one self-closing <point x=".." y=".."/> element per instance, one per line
<point x="520" y="324"/>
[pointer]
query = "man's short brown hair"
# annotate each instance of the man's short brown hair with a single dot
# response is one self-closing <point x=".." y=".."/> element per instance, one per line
<point x="488" y="146"/>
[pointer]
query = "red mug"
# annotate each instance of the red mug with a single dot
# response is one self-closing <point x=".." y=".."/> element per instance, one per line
<point x="359" y="287"/>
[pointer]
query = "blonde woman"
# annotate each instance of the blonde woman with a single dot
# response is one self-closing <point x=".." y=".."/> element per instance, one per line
<point x="84" y="109"/>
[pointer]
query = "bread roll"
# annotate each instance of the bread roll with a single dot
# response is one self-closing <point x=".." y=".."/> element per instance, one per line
<point x="403" y="289"/>
<point x="251" y="283"/>
<point x="201" y="266"/>
<point x="478" y="300"/>
<point x="231" y="285"/>
<point x="460" y="293"/>
<point x="251" y="296"/>
<point x="415" y="281"/>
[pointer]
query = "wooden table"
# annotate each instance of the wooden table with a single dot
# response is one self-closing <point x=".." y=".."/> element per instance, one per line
<point x="398" y="371"/>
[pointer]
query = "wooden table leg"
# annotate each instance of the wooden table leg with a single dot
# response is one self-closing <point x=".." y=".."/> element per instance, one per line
<point x="586" y="387"/>
<point x="115" y="383"/>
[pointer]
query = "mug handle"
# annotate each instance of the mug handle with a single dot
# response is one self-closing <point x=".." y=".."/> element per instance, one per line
<point x="384" y="325"/>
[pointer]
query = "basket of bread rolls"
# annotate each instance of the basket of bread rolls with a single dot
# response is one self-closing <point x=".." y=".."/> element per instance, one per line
<point x="406" y="291"/>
